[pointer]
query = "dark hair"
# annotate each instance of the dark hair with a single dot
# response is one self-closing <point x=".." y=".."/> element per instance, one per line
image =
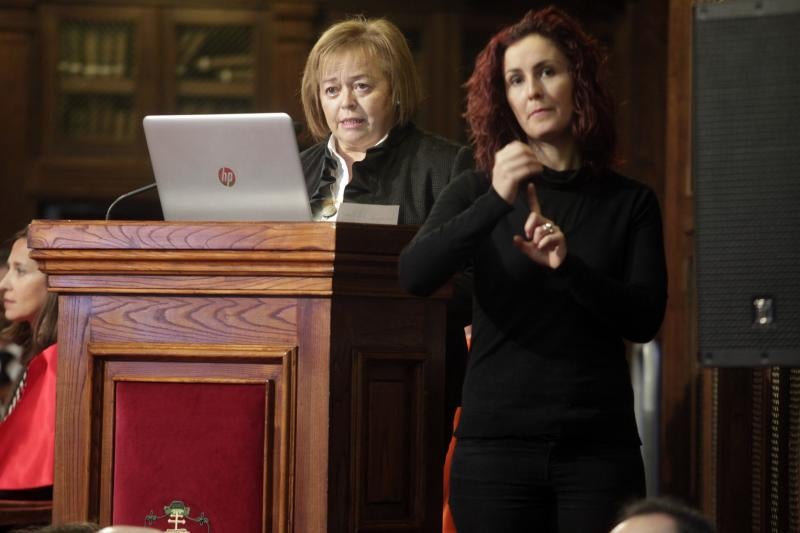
<point x="687" y="520"/>
<point x="492" y="123"/>
<point x="43" y="333"/>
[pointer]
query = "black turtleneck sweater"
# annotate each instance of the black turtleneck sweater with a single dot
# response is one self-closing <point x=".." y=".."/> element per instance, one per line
<point x="547" y="358"/>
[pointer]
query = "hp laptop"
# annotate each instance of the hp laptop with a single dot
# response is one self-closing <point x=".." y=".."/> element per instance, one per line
<point x="227" y="167"/>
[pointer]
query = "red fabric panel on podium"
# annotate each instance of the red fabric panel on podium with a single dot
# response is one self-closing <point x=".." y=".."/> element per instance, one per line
<point x="27" y="435"/>
<point x="201" y="443"/>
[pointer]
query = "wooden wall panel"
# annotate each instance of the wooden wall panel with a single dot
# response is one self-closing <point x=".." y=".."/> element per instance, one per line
<point x="293" y="35"/>
<point x="387" y="402"/>
<point x="378" y="360"/>
<point x="18" y="79"/>
<point x="680" y="373"/>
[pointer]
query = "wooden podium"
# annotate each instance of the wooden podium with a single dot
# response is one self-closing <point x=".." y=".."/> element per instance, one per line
<point x="282" y="354"/>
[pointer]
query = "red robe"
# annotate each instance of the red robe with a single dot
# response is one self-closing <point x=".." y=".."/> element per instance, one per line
<point x="27" y="435"/>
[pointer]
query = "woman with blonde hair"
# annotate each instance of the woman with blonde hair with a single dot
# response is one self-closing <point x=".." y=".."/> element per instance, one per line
<point x="360" y="93"/>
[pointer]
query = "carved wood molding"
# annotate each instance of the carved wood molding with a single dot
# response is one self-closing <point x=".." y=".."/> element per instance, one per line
<point x="199" y="352"/>
<point x="191" y="285"/>
<point x="276" y="259"/>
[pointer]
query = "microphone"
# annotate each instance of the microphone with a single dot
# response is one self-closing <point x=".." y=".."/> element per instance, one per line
<point x="134" y="192"/>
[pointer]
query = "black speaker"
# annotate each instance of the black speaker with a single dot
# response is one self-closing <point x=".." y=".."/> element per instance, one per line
<point x="746" y="139"/>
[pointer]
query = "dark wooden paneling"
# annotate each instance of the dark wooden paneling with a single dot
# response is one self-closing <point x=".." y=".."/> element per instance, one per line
<point x="680" y="375"/>
<point x="24" y="513"/>
<point x="639" y="57"/>
<point x="385" y="347"/>
<point x="19" y="133"/>
<point x="293" y="35"/>
<point x="389" y="396"/>
<point x="738" y="437"/>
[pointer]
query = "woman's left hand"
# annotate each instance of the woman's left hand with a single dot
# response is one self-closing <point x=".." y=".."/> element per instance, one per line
<point x="544" y="242"/>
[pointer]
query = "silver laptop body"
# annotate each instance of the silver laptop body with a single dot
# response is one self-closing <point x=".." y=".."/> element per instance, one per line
<point x="227" y="167"/>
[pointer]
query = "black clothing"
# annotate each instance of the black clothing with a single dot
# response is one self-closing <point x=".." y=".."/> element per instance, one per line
<point x="410" y="168"/>
<point x="547" y="359"/>
<point x="515" y="486"/>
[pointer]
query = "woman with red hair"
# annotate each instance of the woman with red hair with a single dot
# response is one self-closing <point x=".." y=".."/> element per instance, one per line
<point x="568" y="261"/>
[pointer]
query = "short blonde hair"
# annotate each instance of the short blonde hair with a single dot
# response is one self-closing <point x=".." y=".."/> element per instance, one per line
<point x="381" y="41"/>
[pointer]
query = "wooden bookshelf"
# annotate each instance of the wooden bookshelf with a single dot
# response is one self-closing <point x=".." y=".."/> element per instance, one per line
<point x="214" y="55"/>
<point x="214" y="89"/>
<point x="81" y="85"/>
<point x="98" y="67"/>
<point x="105" y="67"/>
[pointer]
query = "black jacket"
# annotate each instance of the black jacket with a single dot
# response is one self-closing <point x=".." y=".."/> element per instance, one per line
<point x="410" y="168"/>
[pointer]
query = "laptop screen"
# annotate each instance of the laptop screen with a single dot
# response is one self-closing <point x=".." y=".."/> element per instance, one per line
<point x="227" y="167"/>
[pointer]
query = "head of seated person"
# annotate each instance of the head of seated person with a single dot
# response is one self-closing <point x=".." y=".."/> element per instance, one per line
<point x="31" y="311"/>
<point x="359" y="82"/>
<point x="661" y="515"/>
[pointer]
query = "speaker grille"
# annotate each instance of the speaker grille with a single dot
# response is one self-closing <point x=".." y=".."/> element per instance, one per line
<point x="747" y="185"/>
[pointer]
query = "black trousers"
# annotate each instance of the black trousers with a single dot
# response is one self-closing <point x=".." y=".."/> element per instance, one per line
<point x="514" y="486"/>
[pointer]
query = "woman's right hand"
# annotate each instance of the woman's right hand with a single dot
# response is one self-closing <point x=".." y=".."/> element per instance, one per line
<point x="513" y="164"/>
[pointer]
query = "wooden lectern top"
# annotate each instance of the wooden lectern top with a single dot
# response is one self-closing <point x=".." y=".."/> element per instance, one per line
<point x="219" y="257"/>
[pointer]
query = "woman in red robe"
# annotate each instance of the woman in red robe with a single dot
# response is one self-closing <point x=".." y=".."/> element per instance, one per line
<point x="27" y="417"/>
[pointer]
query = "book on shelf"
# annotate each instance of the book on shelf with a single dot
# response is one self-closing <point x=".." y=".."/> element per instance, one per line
<point x="70" y="57"/>
<point x="90" y="52"/>
<point x="233" y="75"/>
<point x="94" y="52"/>
<point x="119" y="56"/>
<point x="100" y="119"/>
<point x="208" y="63"/>
<point x="189" y="44"/>
<point x="122" y="119"/>
<point x="105" y="52"/>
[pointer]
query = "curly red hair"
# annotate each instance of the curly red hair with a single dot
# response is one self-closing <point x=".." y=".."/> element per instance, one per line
<point x="492" y="123"/>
